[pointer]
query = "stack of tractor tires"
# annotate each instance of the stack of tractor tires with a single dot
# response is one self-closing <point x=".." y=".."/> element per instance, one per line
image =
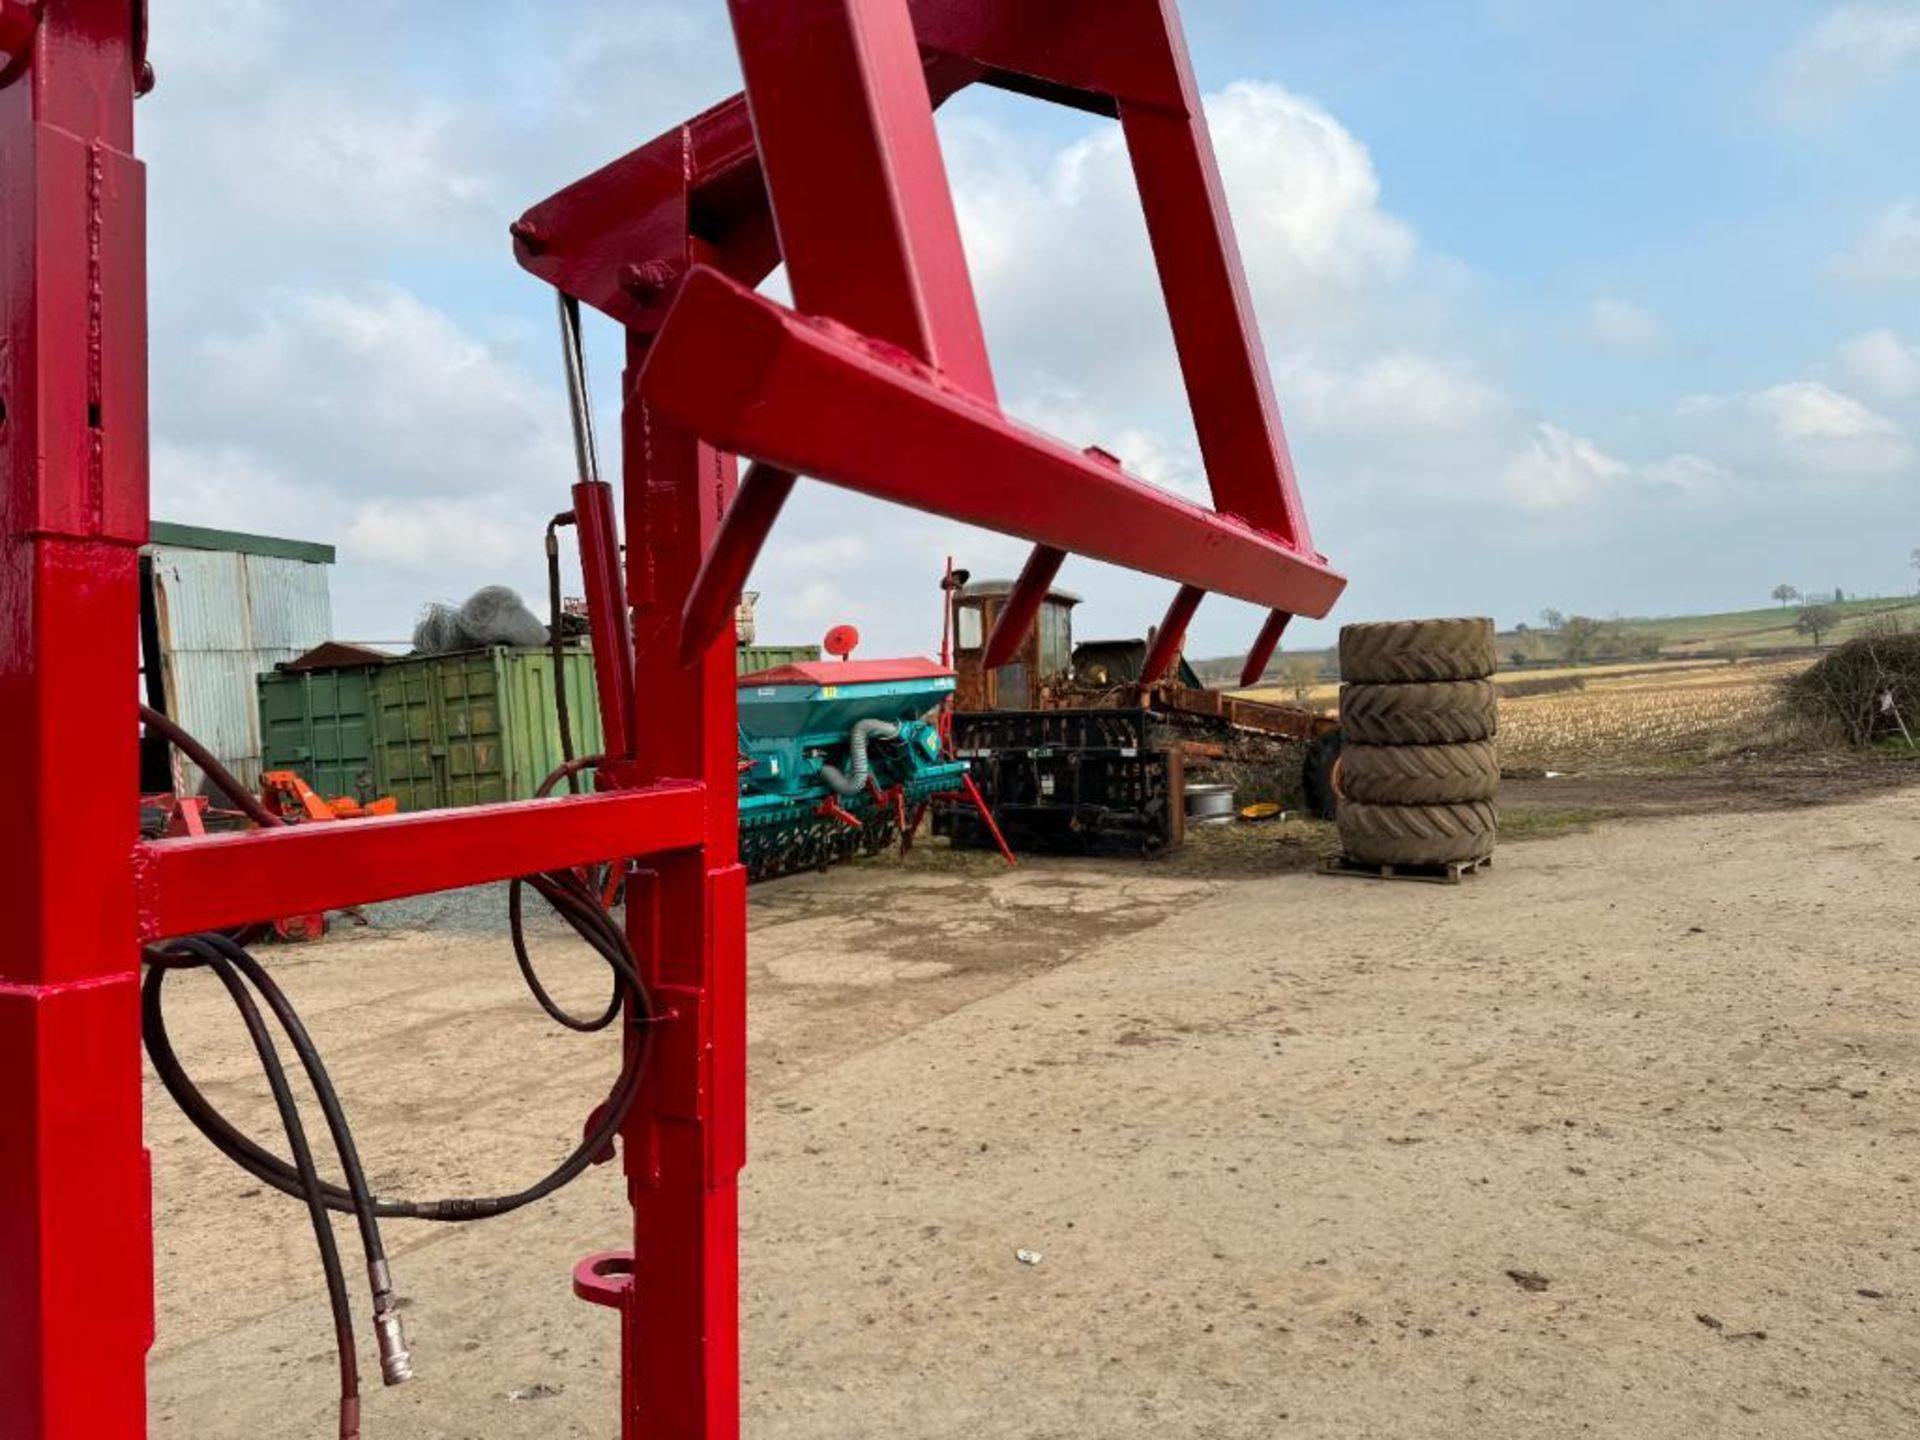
<point x="1418" y="770"/>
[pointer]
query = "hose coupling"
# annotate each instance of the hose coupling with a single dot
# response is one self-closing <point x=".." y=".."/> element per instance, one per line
<point x="396" y="1365"/>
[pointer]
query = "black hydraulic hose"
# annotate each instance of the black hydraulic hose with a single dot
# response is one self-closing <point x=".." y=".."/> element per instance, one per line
<point x="224" y="780"/>
<point x="561" y="901"/>
<point x="603" y="933"/>
<point x="576" y="902"/>
<point x="558" y="644"/>
<point x="395" y="1365"/>
<point x="272" y="1170"/>
<point x="228" y="959"/>
<point x="555" y="891"/>
<point x="202" y="952"/>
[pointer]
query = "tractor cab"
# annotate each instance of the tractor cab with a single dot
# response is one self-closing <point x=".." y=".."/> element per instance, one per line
<point x="1043" y="665"/>
<point x="1049" y="670"/>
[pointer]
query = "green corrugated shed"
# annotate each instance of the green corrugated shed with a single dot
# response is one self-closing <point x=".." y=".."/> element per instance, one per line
<point x="320" y="725"/>
<point x="477" y="728"/>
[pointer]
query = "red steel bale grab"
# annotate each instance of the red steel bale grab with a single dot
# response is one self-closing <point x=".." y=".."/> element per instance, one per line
<point x="829" y="162"/>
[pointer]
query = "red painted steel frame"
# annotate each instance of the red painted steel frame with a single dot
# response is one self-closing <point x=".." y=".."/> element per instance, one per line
<point x="879" y="380"/>
<point x="82" y="891"/>
<point x="75" y="1251"/>
<point x="841" y="151"/>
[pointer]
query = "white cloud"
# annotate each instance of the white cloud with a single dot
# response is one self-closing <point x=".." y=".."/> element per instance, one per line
<point x="374" y="390"/>
<point x="1306" y="197"/>
<point x="1688" y="477"/>
<point x="1889" y="253"/>
<point x="307" y="160"/>
<point x="223" y="486"/>
<point x="1558" y="469"/>
<point x="1063" y="265"/>
<point x="373" y="421"/>
<point x="1850" y="48"/>
<point x="1403" y="394"/>
<point x="1884" y="363"/>
<point x="484" y="532"/>
<point x="1831" y="429"/>
<point x="1625" y="326"/>
<point x="215" y="40"/>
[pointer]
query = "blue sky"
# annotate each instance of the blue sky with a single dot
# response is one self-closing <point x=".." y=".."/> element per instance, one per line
<point x="1610" y="308"/>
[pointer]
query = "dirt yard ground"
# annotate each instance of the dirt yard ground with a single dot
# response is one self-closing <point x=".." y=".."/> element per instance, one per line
<point x="1618" y="1139"/>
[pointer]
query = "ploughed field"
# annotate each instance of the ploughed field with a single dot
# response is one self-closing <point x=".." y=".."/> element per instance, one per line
<point x="1644" y="715"/>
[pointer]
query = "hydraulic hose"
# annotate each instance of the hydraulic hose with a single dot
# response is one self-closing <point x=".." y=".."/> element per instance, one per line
<point x="206" y="951"/>
<point x="224" y="780"/>
<point x="854" y="780"/>
<point x="574" y="904"/>
<point x="575" y="901"/>
<point x="557" y="643"/>
<point x="394" y="1361"/>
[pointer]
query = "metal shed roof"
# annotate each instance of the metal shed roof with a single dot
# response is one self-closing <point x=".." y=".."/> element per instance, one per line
<point x="235" y="542"/>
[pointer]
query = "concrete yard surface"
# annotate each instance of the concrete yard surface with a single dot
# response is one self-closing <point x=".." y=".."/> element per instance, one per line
<point x="1620" y="1138"/>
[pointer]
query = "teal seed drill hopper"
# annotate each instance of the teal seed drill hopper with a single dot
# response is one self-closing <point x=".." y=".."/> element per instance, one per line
<point x="839" y="757"/>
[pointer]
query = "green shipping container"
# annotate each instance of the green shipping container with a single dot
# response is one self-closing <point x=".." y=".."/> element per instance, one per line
<point x="477" y="728"/>
<point x="444" y="730"/>
<point x="770" y="657"/>
<point x="319" y="725"/>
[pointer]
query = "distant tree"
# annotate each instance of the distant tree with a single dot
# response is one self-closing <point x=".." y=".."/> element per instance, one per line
<point x="1816" y="621"/>
<point x="1525" y="629"/>
<point x="1785" y="594"/>
<point x="1520" y="659"/>
<point x="1552" y="618"/>
<point x="1612" y="642"/>
<point x="1300" y="674"/>
<point x="1580" y="636"/>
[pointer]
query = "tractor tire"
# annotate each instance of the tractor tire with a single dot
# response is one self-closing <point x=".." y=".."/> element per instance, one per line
<point x="1417" y="834"/>
<point x="1420" y="774"/>
<point x="1446" y="712"/>
<point x="1320" y="776"/>
<point x="1404" y="652"/>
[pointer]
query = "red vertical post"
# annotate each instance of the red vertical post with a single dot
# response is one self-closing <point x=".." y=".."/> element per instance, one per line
<point x="686" y="1138"/>
<point x="871" y="239"/>
<point x="76" y="1310"/>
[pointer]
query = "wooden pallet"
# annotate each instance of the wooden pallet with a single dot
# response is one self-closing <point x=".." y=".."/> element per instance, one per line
<point x="1446" y="874"/>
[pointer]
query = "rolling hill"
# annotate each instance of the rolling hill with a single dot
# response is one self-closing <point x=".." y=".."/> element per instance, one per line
<point x="1728" y="634"/>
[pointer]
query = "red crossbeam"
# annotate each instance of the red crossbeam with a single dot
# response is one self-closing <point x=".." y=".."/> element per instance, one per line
<point x="755" y="378"/>
<point x="188" y="886"/>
